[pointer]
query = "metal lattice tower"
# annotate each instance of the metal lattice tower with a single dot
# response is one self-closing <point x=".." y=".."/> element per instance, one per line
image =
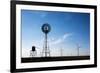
<point x="46" y="29"/>
<point x="78" y="47"/>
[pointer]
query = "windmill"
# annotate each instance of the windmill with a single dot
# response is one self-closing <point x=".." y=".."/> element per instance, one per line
<point x="46" y="29"/>
<point x="78" y="49"/>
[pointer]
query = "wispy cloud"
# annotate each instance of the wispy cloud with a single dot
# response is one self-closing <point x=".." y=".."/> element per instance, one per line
<point x="43" y="15"/>
<point x="61" y="39"/>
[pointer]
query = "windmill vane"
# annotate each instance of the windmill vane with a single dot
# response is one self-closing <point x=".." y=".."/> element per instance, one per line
<point x="46" y="28"/>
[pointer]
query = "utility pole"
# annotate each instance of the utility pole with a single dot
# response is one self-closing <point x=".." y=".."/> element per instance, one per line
<point x="61" y="52"/>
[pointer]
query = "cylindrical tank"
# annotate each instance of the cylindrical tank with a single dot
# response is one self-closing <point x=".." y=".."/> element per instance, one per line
<point x="33" y="48"/>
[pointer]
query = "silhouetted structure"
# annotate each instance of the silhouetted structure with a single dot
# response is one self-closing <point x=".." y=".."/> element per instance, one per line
<point x="46" y="29"/>
<point x="33" y="48"/>
<point x="78" y="47"/>
<point x="33" y="51"/>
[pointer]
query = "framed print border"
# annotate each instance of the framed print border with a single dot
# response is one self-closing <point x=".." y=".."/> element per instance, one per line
<point x="13" y="35"/>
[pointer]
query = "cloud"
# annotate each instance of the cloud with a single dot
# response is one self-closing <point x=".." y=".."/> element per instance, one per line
<point x="43" y="15"/>
<point x="62" y="39"/>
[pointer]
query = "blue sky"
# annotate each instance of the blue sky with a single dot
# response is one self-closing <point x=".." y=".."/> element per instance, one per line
<point x="67" y="30"/>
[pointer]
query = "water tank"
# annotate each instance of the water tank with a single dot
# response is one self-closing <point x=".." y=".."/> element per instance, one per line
<point x="33" y="48"/>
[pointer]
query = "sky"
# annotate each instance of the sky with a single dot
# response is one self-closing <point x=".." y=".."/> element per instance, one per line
<point x="68" y="31"/>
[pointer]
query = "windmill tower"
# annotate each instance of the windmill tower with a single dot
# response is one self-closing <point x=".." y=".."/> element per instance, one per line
<point x="46" y="29"/>
<point x="78" y="49"/>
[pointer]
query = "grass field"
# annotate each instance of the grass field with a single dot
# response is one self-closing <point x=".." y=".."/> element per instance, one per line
<point x="46" y="59"/>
